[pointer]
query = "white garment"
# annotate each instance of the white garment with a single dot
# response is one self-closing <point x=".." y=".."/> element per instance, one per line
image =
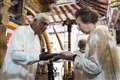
<point x="90" y="66"/>
<point x="118" y="52"/>
<point x="23" y="47"/>
<point x="87" y="68"/>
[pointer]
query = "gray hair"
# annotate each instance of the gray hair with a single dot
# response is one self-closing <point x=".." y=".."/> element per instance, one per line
<point x="41" y="17"/>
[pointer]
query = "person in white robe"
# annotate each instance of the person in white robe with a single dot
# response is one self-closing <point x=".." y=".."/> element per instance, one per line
<point x="24" y="48"/>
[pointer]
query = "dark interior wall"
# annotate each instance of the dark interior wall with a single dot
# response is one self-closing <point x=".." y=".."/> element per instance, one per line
<point x="45" y="5"/>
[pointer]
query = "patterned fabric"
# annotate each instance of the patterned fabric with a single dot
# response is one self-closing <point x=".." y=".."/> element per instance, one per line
<point x="11" y="26"/>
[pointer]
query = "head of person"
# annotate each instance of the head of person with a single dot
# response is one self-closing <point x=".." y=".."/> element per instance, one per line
<point x="86" y="19"/>
<point x="82" y="44"/>
<point x="40" y="23"/>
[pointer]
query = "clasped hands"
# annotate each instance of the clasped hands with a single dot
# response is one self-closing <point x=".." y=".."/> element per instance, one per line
<point x="56" y="56"/>
<point x="67" y="55"/>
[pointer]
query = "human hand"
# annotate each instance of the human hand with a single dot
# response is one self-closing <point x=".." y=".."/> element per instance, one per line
<point x="43" y="56"/>
<point x="66" y="53"/>
<point x="57" y="57"/>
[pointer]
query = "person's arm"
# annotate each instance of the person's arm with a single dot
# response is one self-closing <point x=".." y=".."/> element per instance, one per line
<point x="90" y="64"/>
<point x="67" y="55"/>
<point x="47" y="56"/>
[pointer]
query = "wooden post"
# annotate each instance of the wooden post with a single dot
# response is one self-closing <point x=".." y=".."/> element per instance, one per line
<point x="67" y="75"/>
<point x="66" y="62"/>
<point x="3" y="44"/>
<point x="50" y="65"/>
<point x="58" y="38"/>
<point x="21" y="8"/>
<point x="4" y="11"/>
<point x="69" y="48"/>
<point x="69" y="24"/>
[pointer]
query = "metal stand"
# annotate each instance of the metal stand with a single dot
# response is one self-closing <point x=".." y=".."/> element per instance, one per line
<point x="50" y="71"/>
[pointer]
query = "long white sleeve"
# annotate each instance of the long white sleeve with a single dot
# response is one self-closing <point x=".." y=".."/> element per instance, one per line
<point x="19" y="51"/>
<point x="23" y="47"/>
<point x="89" y="64"/>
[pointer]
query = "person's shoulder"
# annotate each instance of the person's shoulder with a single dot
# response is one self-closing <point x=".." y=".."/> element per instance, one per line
<point x="21" y="28"/>
<point x="101" y="27"/>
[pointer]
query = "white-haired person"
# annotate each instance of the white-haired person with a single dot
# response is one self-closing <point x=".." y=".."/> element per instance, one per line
<point x="23" y="48"/>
